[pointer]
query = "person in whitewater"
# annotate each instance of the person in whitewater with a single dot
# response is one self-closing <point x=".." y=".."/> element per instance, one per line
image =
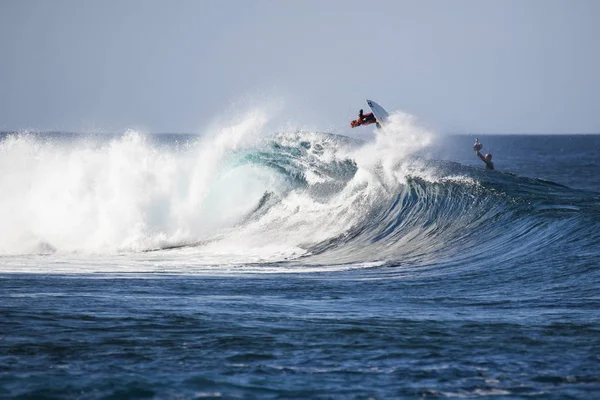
<point x="364" y="119"/>
<point x="488" y="157"/>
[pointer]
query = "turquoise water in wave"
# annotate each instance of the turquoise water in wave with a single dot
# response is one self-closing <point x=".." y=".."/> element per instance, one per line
<point x="299" y="265"/>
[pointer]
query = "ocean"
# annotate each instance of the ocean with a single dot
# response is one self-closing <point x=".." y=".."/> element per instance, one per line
<point x="243" y="263"/>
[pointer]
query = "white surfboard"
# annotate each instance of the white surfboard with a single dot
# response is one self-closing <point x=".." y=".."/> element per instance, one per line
<point x="379" y="113"/>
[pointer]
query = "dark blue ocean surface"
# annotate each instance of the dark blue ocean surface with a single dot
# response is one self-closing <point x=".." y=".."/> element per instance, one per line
<point x="303" y="265"/>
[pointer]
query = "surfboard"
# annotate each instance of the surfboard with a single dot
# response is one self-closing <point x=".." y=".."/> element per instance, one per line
<point x="379" y="113"/>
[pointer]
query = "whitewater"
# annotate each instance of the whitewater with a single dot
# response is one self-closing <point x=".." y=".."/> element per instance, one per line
<point x="244" y="262"/>
<point x="236" y="191"/>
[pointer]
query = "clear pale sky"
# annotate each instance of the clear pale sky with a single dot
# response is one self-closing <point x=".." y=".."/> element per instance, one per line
<point x="507" y="66"/>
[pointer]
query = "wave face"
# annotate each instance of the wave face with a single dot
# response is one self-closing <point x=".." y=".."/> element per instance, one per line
<point x="306" y="198"/>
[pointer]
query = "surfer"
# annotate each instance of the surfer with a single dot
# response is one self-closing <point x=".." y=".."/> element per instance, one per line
<point x="488" y="157"/>
<point x="363" y="119"/>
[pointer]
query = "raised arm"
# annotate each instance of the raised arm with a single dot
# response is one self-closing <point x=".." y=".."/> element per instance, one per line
<point x="487" y="160"/>
<point x="481" y="156"/>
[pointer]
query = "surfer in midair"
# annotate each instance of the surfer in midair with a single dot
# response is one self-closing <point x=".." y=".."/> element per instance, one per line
<point x="363" y="119"/>
<point x="488" y="157"/>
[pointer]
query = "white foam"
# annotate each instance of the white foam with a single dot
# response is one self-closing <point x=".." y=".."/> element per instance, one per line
<point x="127" y="193"/>
<point x="130" y="194"/>
<point x="400" y="138"/>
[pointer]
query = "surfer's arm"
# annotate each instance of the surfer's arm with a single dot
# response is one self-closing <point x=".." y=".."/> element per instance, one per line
<point x="481" y="156"/>
<point x="489" y="164"/>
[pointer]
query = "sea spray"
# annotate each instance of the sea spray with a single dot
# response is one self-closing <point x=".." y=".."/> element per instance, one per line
<point x="123" y="192"/>
<point x="400" y="138"/>
<point x="129" y="193"/>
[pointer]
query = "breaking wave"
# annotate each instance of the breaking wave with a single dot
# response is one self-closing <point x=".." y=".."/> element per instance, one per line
<point x="306" y="197"/>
